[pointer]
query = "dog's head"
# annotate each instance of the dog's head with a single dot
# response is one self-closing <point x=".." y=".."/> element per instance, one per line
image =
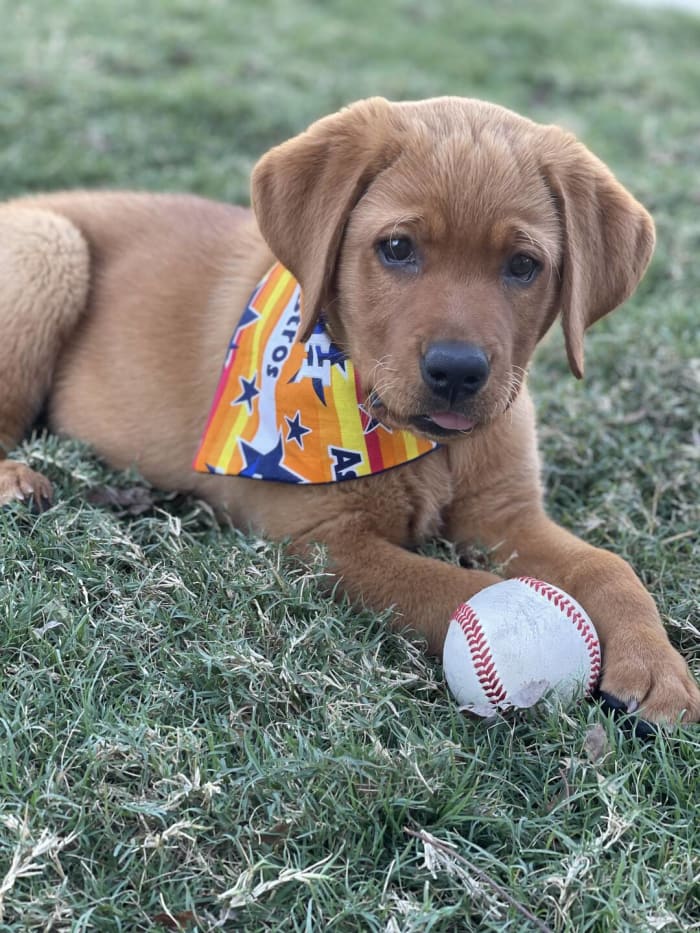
<point x="440" y="240"/>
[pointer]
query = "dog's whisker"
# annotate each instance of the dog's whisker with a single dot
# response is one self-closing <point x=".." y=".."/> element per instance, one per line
<point x="381" y="390"/>
<point x="384" y="381"/>
<point x="381" y="364"/>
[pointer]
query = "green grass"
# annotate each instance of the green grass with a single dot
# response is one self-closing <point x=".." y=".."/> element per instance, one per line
<point x="189" y="728"/>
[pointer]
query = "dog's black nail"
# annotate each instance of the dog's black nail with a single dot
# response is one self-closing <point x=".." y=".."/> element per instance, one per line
<point x="644" y="729"/>
<point x="610" y="703"/>
<point x="39" y="504"/>
<point x="624" y="713"/>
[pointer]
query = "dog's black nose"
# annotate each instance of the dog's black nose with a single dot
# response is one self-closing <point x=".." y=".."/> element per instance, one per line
<point x="454" y="370"/>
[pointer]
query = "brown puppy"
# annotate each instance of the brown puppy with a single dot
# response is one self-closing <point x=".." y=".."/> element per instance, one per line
<point x="440" y="239"/>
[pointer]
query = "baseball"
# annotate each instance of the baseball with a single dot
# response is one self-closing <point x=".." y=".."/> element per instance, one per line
<point x="517" y="641"/>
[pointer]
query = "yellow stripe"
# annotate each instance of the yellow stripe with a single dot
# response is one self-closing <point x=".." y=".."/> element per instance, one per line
<point x="411" y="445"/>
<point x="349" y="423"/>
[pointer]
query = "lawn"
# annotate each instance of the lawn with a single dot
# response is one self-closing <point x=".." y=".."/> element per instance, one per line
<point x="193" y="737"/>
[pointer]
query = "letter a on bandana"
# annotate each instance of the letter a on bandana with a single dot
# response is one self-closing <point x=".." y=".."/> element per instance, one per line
<point x="293" y="412"/>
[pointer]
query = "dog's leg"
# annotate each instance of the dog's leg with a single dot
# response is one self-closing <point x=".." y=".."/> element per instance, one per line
<point x="380" y="574"/>
<point x="44" y="271"/>
<point x="640" y="666"/>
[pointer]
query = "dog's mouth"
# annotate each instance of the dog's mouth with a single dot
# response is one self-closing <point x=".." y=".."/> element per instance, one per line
<point x="443" y="424"/>
<point x="438" y="424"/>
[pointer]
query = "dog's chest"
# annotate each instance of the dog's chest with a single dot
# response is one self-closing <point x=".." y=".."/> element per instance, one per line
<point x="429" y="491"/>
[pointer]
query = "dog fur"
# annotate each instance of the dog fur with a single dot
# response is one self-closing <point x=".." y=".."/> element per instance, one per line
<point x="116" y="309"/>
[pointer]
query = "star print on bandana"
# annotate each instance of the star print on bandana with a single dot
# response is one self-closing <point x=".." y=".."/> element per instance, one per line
<point x="266" y="465"/>
<point x="248" y="394"/>
<point x="294" y="412"/>
<point x="369" y="422"/>
<point x="250" y="316"/>
<point x="296" y="430"/>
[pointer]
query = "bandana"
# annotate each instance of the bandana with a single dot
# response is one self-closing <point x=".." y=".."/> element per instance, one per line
<point x="293" y="412"/>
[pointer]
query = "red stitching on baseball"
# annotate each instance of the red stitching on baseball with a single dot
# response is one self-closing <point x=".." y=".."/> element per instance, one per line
<point x="582" y="624"/>
<point x="482" y="659"/>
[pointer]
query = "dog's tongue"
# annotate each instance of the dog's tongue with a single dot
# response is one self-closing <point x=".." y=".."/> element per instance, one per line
<point x="451" y="421"/>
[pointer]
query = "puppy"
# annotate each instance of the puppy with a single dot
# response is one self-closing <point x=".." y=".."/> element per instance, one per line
<point x="428" y="247"/>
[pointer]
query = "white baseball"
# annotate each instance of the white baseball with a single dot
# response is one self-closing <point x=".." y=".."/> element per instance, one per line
<point x="516" y="641"/>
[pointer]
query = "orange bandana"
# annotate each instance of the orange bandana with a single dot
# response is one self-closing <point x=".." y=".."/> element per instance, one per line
<point x="293" y="412"/>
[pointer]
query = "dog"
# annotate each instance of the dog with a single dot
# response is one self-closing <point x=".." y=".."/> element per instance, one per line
<point x="433" y="245"/>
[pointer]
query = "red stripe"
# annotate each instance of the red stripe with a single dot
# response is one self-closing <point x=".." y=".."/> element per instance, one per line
<point x="374" y="450"/>
<point x="221" y="388"/>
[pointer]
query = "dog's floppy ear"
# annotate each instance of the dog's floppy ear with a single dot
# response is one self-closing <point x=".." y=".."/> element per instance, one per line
<point x="608" y="238"/>
<point x="304" y="190"/>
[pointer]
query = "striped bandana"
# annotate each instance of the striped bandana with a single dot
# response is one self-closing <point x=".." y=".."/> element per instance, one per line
<point x="293" y="412"/>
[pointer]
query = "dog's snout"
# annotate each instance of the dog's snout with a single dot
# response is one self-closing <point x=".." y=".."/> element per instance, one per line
<point x="454" y="370"/>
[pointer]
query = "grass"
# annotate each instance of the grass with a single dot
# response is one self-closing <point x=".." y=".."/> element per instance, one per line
<point x="193" y="736"/>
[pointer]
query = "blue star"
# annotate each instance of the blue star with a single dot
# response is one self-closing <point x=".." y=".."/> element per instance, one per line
<point x="372" y="423"/>
<point x="249" y="316"/>
<point x="249" y="392"/>
<point x="266" y="465"/>
<point x="296" y="430"/>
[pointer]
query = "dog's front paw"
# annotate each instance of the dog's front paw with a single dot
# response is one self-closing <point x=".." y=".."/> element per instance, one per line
<point x="19" y="482"/>
<point x="652" y="681"/>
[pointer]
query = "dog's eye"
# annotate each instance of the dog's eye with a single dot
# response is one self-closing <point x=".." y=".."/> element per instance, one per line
<point x="397" y="251"/>
<point x="523" y="268"/>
